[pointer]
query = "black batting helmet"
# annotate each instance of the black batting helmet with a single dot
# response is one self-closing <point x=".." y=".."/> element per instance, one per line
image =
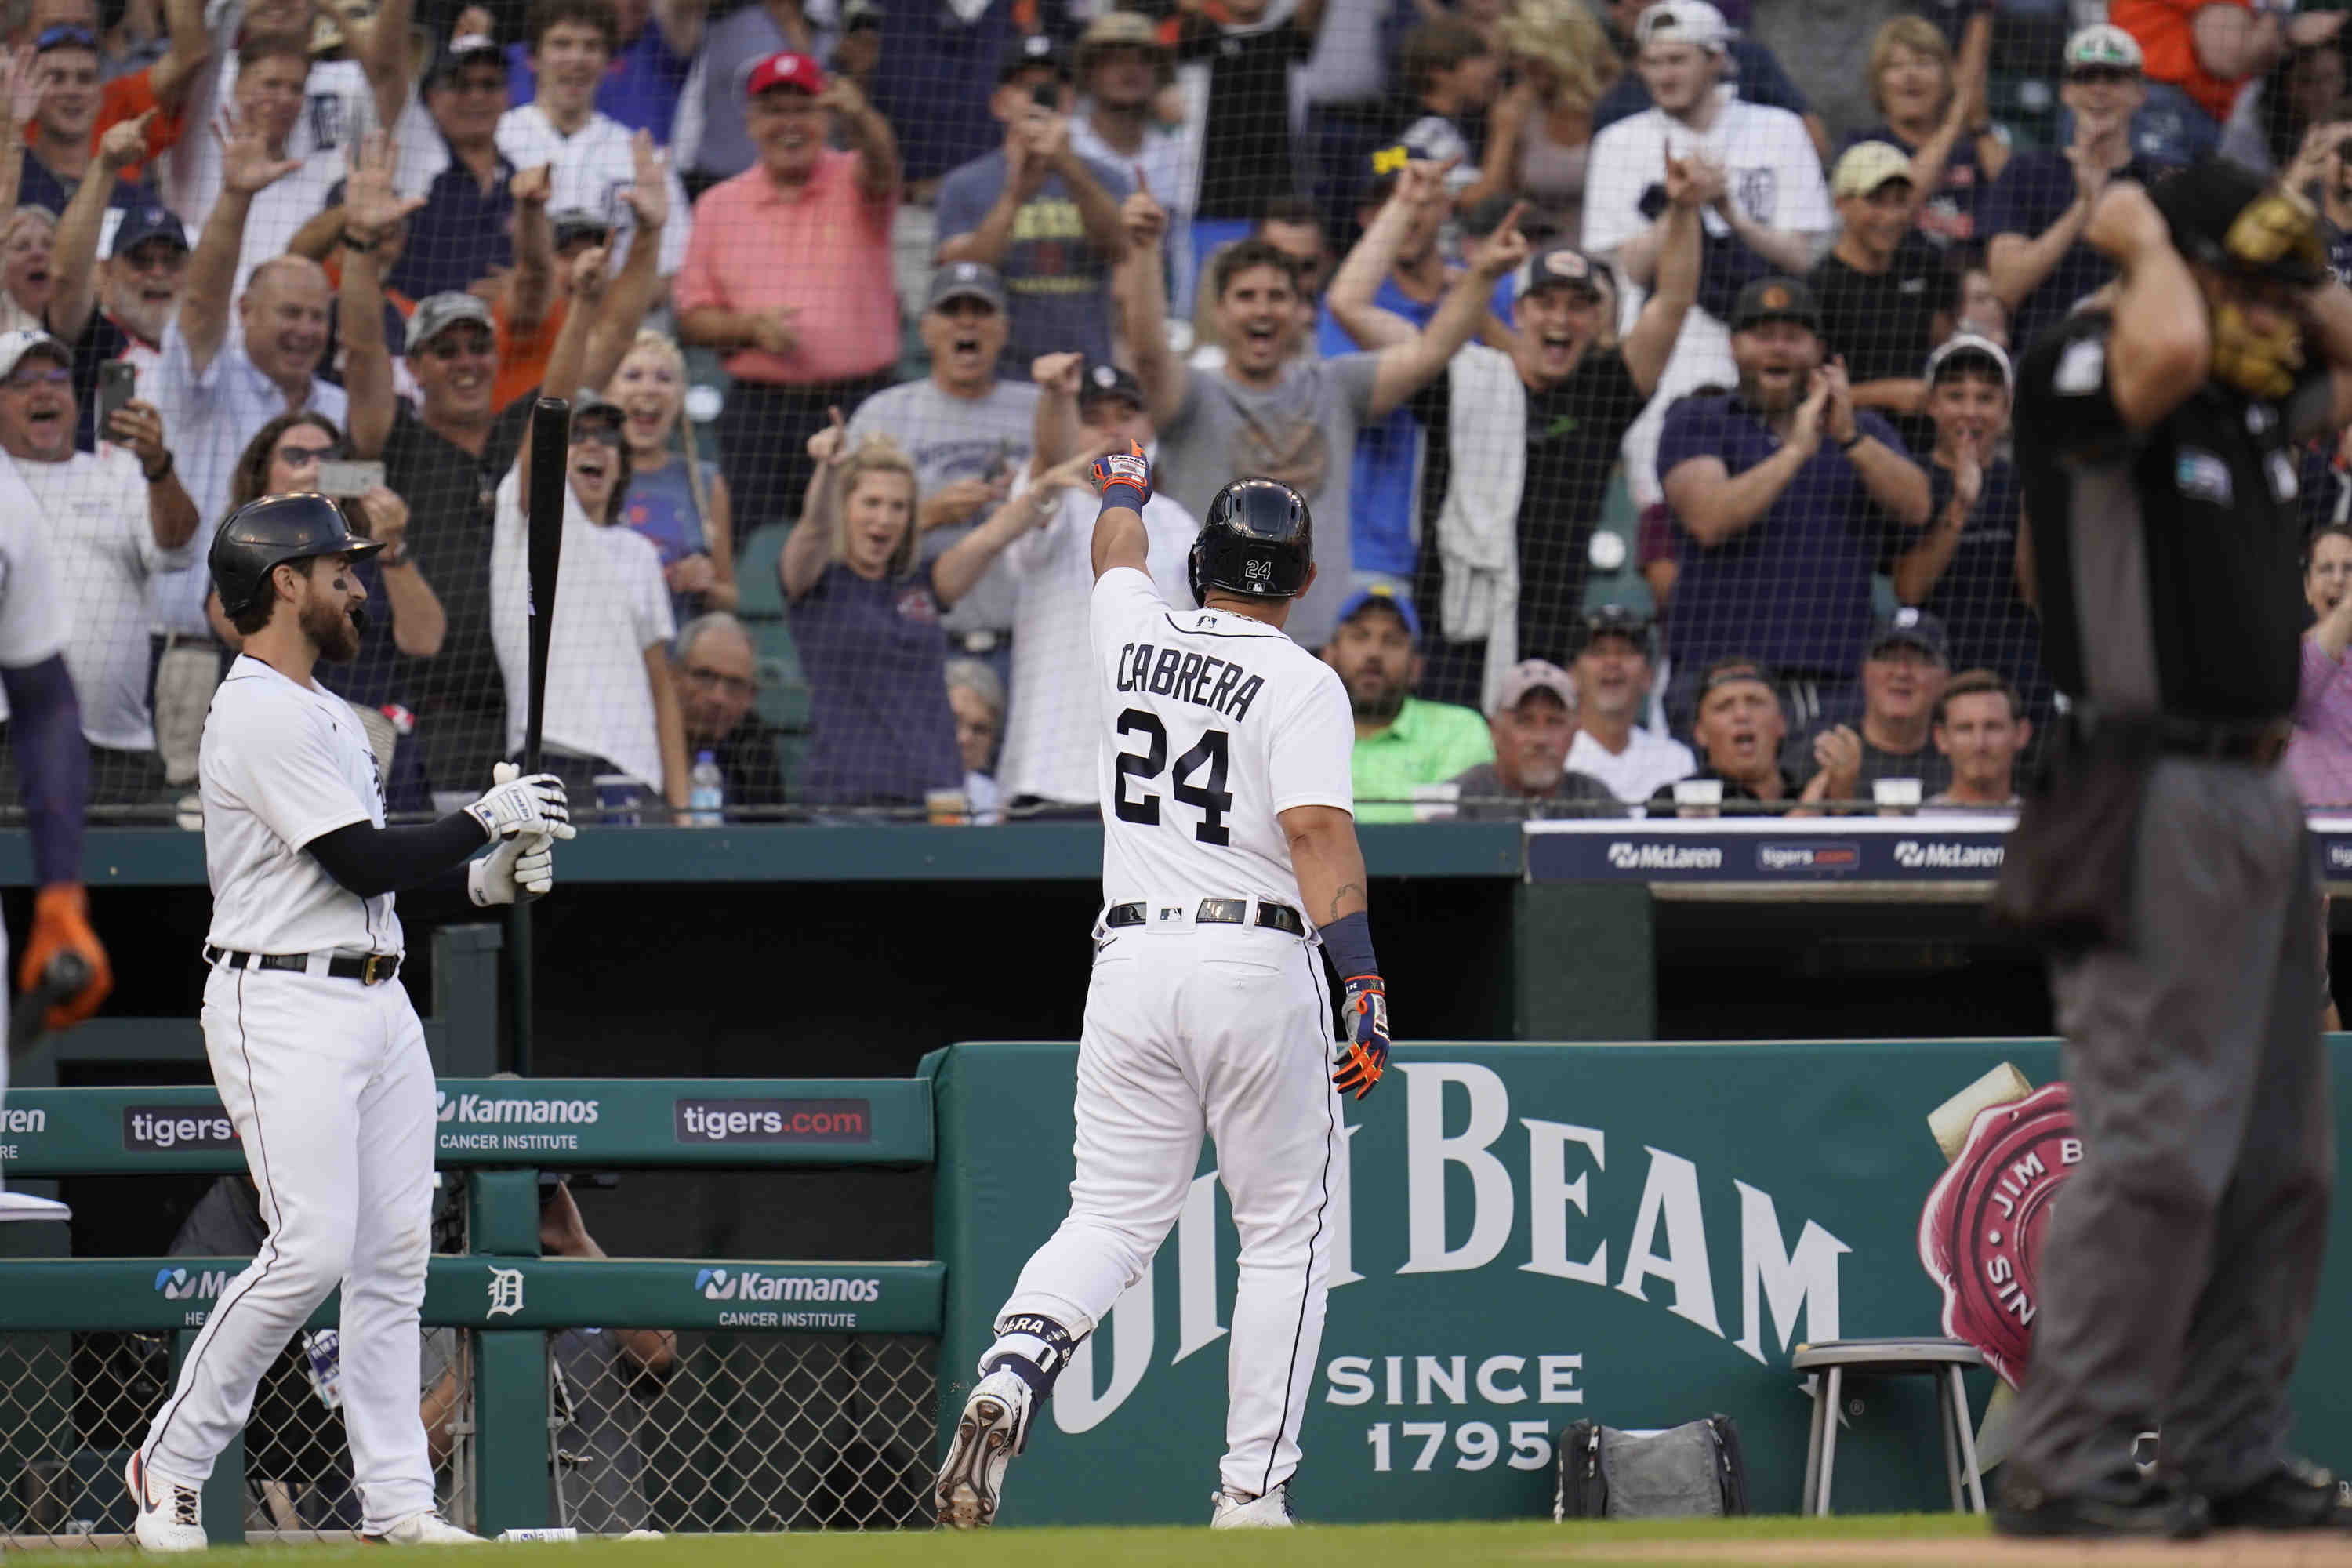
<point x="1258" y="539"/>
<point x="263" y="534"/>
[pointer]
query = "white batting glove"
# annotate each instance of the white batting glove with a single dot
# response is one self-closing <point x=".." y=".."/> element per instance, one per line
<point x="521" y="868"/>
<point x="513" y="804"/>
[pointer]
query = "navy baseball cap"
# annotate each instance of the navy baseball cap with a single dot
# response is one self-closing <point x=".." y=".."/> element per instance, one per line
<point x="1908" y="627"/>
<point x="1103" y="379"/>
<point x="1616" y="621"/>
<point x="141" y="223"/>
<point x="1386" y="598"/>
<point x="466" y="49"/>
<point x="1563" y="266"/>
<point x="1036" y="50"/>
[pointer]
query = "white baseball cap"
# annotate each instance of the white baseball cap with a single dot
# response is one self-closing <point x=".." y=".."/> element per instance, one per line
<point x="15" y="346"/>
<point x="1683" y="22"/>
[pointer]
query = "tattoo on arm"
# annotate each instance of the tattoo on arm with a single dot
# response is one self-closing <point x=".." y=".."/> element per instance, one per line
<point x="1340" y="897"/>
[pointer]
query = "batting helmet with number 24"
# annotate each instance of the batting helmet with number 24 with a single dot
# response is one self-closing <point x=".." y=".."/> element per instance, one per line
<point x="1258" y="539"/>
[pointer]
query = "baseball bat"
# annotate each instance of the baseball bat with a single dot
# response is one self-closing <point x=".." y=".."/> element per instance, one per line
<point x="551" y="454"/>
<point x="61" y="981"/>
<point x="551" y="448"/>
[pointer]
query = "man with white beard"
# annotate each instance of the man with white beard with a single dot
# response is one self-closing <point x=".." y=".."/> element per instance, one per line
<point x="1533" y="722"/>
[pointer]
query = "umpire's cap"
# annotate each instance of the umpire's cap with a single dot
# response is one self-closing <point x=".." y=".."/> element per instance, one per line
<point x="1258" y="539"/>
<point x="263" y="534"/>
<point x="2225" y="215"/>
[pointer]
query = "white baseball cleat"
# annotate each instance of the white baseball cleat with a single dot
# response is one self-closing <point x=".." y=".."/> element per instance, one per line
<point x="15" y="1206"/>
<point x="171" y="1510"/>
<point x="993" y="1428"/>
<point x="1239" y="1510"/>
<point x="425" y="1529"/>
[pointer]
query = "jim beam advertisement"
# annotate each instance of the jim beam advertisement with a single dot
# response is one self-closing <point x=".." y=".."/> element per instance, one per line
<point x="2009" y="1148"/>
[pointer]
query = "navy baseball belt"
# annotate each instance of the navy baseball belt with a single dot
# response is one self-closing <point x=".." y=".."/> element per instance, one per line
<point x="367" y="968"/>
<point x="1217" y="912"/>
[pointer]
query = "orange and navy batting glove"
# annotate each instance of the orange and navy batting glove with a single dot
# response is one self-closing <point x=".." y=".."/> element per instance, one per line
<point x="1124" y="478"/>
<point x="1364" y="1050"/>
<point x="61" y="925"/>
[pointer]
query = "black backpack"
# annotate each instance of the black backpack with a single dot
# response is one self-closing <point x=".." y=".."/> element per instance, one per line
<point x="1693" y="1470"/>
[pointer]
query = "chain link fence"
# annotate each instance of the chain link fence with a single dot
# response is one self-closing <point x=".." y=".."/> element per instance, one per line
<point x="681" y="1433"/>
<point x="706" y="1432"/>
<point x="74" y="1405"/>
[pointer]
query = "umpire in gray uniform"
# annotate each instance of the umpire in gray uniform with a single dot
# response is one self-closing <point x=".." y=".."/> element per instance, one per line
<point x="2164" y="858"/>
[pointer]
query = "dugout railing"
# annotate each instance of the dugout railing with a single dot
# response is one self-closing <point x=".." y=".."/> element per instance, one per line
<point x="801" y="1396"/>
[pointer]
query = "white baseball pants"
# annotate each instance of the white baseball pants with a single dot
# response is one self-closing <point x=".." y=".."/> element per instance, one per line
<point x="331" y="1091"/>
<point x="1225" y="1029"/>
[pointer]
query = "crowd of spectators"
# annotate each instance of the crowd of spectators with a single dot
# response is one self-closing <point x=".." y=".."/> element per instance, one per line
<point x="1655" y="417"/>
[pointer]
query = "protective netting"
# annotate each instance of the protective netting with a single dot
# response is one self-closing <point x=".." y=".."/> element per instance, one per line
<point x="993" y="234"/>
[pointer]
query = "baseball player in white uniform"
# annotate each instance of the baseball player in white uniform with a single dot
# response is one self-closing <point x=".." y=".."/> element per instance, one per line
<point x="1229" y="856"/>
<point x="53" y="761"/>
<point x="318" y="1055"/>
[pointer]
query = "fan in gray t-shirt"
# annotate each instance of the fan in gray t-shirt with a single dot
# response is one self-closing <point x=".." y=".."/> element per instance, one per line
<point x="1262" y="413"/>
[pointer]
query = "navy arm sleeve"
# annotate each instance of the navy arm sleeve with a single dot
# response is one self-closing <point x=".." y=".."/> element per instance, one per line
<point x="368" y="860"/>
<point x="45" y="728"/>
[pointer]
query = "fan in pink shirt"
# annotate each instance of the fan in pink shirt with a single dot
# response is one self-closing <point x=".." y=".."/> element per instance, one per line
<point x="787" y="270"/>
<point x="2319" y="759"/>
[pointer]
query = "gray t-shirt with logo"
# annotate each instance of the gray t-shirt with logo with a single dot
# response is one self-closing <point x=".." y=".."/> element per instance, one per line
<point x="954" y="438"/>
<point x="1301" y="431"/>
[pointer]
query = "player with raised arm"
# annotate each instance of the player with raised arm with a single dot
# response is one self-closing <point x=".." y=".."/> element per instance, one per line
<point x="53" y="761"/>
<point x="319" y="1059"/>
<point x="1229" y="855"/>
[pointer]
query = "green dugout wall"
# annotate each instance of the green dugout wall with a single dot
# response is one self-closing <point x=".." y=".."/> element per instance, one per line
<point x="1527" y="1235"/>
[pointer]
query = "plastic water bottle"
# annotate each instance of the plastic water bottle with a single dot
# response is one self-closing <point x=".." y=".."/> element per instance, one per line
<point x="706" y="795"/>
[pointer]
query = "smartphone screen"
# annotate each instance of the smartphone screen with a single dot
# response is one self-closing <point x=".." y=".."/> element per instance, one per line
<point x="118" y="380"/>
<point x="342" y="479"/>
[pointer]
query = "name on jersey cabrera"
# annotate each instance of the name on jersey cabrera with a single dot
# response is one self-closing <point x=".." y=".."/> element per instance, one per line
<point x="1203" y="678"/>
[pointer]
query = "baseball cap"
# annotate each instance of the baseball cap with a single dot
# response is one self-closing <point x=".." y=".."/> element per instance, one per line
<point x="1561" y="265"/>
<point x="141" y="223"/>
<point x="1036" y="50"/>
<point x="1387" y="598"/>
<point x="588" y="404"/>
<point x="1737" y="668"/>
<point x="1103" y="379"/>
<point x="966" y="280"/>
<point x="1534" y="675"/>
<point x="1682" y="22"/>
<point x="2103" y="43"/>
<point x="860" y="14"/>
<point x="1120" y="29"/>
<point x="785" y="69"/>
<point x="1967" y="348"/>
<point x="65" y="36"/>
<point x="1775" y="299"/>
<point x="574" y="224"/>
<point x="1867" y="166"/>
<point x="15" y="346"/>
<point x="1617" y="621"/>
<point x="1908" y="627"/>
<point x="2210" y="207"/>
<point x="466" y="49"/>
<point x="436" y="314"/>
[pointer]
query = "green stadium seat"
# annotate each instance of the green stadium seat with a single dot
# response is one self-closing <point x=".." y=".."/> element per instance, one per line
<point x="758" y="594"/>
<point x="783" y="687"/>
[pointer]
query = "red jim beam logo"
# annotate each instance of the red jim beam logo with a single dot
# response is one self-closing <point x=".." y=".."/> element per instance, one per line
<point x="1980" y="1233"/>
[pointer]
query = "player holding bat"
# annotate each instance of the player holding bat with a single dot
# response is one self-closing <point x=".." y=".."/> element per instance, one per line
<point x="317" y="1054"/>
